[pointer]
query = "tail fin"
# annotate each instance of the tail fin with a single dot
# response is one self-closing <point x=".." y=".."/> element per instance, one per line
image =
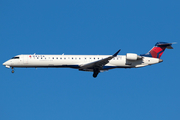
<point x="158" y="49"/>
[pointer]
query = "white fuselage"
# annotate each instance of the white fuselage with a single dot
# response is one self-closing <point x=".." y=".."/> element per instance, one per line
<point x="93" y="63"/>
<point x="76" y="61"/>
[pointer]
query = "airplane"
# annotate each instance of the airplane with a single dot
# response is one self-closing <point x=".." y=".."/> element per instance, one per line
<point x="92" y="63"/>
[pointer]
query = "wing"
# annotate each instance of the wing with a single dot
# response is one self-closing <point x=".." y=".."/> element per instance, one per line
<point x="100" y="63"/>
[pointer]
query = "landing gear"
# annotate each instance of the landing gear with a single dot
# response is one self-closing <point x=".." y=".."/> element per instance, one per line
<point x="96" y="72"/>
<point x="12" y="70"/>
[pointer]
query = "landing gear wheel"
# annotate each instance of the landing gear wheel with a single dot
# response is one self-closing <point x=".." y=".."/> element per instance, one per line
<point x="95" y="75"/>
<point x="12" y="70"/>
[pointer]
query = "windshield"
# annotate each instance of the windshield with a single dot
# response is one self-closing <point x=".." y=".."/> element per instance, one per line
<point x="15" y="58"/>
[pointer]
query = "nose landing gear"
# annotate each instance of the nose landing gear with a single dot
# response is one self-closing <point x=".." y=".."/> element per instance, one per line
<point x="12" y="70"/>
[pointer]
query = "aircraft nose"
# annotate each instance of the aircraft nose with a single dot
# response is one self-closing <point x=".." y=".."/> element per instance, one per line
<point x="5" y="63"/>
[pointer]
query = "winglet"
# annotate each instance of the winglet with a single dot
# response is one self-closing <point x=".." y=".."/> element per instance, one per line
<point x="116" y="53"/>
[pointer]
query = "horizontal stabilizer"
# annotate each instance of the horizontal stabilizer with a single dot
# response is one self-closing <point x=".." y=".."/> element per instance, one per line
<point x="165" y="44"/>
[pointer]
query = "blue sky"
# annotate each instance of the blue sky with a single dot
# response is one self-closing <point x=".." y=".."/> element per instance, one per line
<point x="89" y="27"/>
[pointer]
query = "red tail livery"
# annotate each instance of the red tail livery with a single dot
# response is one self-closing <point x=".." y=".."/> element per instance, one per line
<point x="158" y="49"/>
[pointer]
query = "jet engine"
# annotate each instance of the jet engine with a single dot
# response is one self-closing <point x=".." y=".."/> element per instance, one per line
<point x="132" y="56"/>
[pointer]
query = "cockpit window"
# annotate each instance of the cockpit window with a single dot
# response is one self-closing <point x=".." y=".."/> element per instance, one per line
<point x="15" y="58"/>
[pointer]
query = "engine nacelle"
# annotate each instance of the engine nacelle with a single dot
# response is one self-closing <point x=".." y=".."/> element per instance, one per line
<point x="131" y="56"/>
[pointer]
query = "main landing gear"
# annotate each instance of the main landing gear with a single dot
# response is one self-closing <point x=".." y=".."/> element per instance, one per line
<point x="96" y="72"/>
<point x="12" y="70"/>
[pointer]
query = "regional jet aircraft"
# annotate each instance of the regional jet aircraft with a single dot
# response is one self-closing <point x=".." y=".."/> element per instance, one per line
<point x="92" y="63"/>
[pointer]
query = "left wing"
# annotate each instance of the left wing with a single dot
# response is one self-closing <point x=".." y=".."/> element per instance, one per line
<point x="100" y="63"/>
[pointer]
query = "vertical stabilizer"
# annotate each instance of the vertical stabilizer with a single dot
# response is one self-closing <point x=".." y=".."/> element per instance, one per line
<point x="158" y="49"/>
